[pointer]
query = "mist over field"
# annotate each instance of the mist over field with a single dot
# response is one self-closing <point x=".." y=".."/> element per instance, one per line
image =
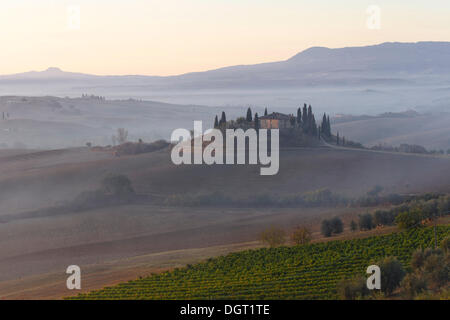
<point x="57" y="150"/>
<point x="372" y="80"/>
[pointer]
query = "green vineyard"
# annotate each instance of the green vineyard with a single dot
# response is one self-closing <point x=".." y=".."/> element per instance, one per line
<point x="300" y="272"/>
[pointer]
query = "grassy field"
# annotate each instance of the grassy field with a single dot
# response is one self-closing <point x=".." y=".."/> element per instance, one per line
<point x="299" y="272"/>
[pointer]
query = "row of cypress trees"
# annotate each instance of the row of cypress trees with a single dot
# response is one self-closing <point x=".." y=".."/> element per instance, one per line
<point x="305" y="120"/>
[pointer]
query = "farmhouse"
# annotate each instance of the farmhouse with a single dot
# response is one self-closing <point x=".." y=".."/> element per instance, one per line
<point x="275" y="120"/>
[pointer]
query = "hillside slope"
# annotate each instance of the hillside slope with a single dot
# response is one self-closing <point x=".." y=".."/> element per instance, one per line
<point x="431" y="131"/>
<point x="300" y="272"/>
<point x="44" y="179"/>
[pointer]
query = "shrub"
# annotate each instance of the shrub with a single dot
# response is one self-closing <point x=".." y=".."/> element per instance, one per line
<point x="418" y="258"/>
<point x="352" y="289"/>
<point x="383" y="218"/>
<point x="392" y="274"/>
<point x="412" y="285"/>
<point x="432" y="266"/>
<point x="118" y="185"/>
<point x="366" y="222"/>
<point x="273" y="236"/>
<point x="321" y="196"/>
<point x="353" y="226"/>
<point x="326" y="228"/>
<point x="409" y="219"/>
<point x="301" y="235"/>
<point x="443" y="206"/>
<point x="436" y="269"/>
<point x="445" y="245"/>
<point x="336" y="225"/>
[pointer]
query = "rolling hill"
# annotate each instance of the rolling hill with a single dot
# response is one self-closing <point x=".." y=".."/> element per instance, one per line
<point x="429" y="130"/>
<point x="368" y="79"/>
<point x="301" y="272"/>
<point x="42" y="179"/>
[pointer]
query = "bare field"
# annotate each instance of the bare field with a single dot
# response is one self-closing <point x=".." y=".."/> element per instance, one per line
<point x="43" y="179"/>
<point x="103" y="239"/>
<point x="50" y="244"/>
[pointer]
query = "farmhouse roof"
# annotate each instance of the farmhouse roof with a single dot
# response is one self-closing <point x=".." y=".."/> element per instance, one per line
<point x="276" y="116"/>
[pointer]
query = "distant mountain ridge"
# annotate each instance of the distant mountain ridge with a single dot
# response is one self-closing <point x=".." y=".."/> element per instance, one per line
<point x="392" y="57"/>
<point x="372" y="79"/>
<point x="51" y="72"/>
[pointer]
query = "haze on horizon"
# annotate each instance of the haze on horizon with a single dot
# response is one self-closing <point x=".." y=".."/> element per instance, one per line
<point x="174" y="37"/>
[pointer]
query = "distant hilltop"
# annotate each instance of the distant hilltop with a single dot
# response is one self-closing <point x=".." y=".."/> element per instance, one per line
<point x="357" y="80"/>
<point x="428" y="57"/>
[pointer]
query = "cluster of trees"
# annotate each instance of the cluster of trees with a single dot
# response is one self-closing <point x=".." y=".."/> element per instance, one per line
<point x="321" y="197"/>
<point x="409" y="214"/>
<point x="114" y="189"/>
<point x="220" y="123"/>
<point x="276" y="236"/>
<point x="121" y="136"/>
<point x="5" y="115"/>
<point x="91" y="96"/>
<point x="428" y="277"/>
<point x="409" y="148"/>
<point x="356" y="288"/>
<point x="273" y="237"/>
<point x="305" y="120"/>
<point x="325" y="127"/>
<point x="332" y="226"/>
<point x="249" y="121"/>
<point x="374" y="198"/>
<point x="117" y="185"/>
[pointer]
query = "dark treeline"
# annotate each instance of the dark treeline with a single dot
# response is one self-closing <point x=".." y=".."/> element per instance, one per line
<point x="410" y="212"/>
<point x="408" y="148"/>
<point x="304" y="119"/>
<point x="302" y="123"/>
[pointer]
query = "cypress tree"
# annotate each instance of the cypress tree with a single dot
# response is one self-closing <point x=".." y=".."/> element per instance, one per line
<point x="353" y="226"/>
<point x="216" y="122"/>
<point x="305" y="118"/>
<point x="249" y="115"/>
<point x="256" y="121"/>
<point x="313" y="126"/>
<point x="265" y="112"/>
<point x="310" y="127"/>
<point x="223" y="119"/>
<point x="325" y="126"/>
<point x="328" y="126"/>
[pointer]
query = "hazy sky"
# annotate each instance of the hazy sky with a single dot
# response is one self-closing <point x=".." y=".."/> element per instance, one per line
<point x="164" y="37"/>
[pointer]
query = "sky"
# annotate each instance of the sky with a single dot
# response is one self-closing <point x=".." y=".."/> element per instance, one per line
<point x="168" y="37"/>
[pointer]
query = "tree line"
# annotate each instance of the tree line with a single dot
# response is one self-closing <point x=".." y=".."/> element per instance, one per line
<point x="305" y="120"/>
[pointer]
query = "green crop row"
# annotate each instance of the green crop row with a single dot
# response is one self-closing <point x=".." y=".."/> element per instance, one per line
<point x="300" y="272"/>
